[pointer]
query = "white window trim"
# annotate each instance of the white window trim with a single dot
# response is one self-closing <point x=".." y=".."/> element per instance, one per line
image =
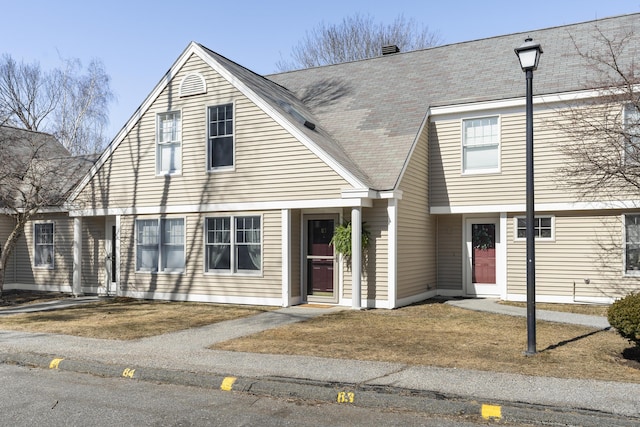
<point x="158" y="222"/>
<point x="625" y="272"/>
<point x="233" y="271"/>
<point x="220" y="169"/>
<point x="462" y="146"/>
<point x="538" y="239"/>
<point x="53" y="246"/>
<point x="625" y="146"/>
<point x="159" y="171"/>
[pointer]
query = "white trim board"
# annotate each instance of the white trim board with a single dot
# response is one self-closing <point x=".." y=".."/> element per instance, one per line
<point x="222" y="299"/>
<point x="539" y="207"/>
<point x="226" y="207"/>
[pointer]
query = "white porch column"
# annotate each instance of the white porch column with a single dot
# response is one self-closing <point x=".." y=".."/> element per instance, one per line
<point x="356" y="257"/>
<point x="392" y="268"/>
<point x="286" y="257"/>
<point x="77" y="256"/>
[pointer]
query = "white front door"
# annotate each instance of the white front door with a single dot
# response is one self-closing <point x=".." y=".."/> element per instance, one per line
<point x="482" y="256"/>
<point x="111" y="256"/>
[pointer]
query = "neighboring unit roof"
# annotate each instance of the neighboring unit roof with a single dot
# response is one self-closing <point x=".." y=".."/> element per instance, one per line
<point x="22" y="149"/>
<point x="375" y="108"/>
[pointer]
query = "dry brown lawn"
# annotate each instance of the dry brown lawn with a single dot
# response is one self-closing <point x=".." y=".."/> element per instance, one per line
<point x="438" y="334"/>
<point x="431" y="333"/>
<point x="126" y="318"/>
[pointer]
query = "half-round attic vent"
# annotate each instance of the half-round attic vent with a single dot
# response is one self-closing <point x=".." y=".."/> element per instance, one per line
<point x="193" y="84"/>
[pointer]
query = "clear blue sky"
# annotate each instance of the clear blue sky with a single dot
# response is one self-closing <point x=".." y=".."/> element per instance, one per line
<point x="139" y="40"/>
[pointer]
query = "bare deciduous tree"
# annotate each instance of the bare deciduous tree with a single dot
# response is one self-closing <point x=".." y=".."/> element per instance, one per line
<point x="356" y="37"/>
<point x="604" y="152"/>
<point x="71" y="103"/>
<point x="36" y="172"/>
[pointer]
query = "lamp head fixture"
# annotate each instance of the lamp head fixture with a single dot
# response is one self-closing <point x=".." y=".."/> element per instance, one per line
<point x="529" y="54"/>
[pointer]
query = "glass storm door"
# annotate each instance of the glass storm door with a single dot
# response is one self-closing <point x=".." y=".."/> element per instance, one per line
<point x="320" y="258"/>
<point x="111" y="266"/>
<point x="482" y="241"/>
<point x="483" y="259"/>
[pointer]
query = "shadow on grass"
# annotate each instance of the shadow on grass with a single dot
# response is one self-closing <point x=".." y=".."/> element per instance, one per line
<point x="632" y="354"/>
<point x="575" y="339"/>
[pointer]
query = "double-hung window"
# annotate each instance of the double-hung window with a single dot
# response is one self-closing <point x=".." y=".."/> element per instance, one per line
<point x="233" y="244"/>
<point x="480" y="145"/>
<point x="169" y="138"/>
<point x="542" y="227"/>
<point x="631" y="134"/>
<point x="632" y="244"/>
<point x="160" y="245"/>
<point x="43" y="253"/>
<point x="220" y="145"/>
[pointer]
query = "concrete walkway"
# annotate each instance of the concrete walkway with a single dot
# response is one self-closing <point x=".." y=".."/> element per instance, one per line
<point x="493" y="306"/>
<point x="183" y="358"/>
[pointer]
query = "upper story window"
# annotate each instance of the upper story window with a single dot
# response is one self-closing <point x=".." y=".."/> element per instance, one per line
<point x="169" y="138"/>
<point x="632" y="244"/>
<point x="631" y="125"/>
<point x="542" y="227"/>
<point x="220" y="146"/>
<point x="43" y="254"/>
<point x="160" y="245"/>
<point x="480" y="145"/>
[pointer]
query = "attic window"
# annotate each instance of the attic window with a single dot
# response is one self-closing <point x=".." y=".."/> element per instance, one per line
<point x="193" y="84"/>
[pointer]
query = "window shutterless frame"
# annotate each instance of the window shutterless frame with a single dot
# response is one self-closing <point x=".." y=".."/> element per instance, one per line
<point x="169" y="143"/>
<point x="544" y="228"/>
<point x="631" y="244"/>
<point x="44" y="245"/>
<point x="233" y="244"/>
<point x="160" y="245"/>
<point x="480" y="145"/>
<point x="221" y="139"/>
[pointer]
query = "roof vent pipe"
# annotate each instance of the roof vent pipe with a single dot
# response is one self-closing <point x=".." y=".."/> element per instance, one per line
<point x="390" y="49"/>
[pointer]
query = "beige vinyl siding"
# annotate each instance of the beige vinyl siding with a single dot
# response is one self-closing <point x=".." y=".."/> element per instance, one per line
<point x="416" y="228"/>
<point x="375" y="280"/>
<point x="450" y="187"/>
<point x="93" y="254"/>
<point x="586" y="254"/>
<point x="6" y="226"/>
<point x="375" y="272"/>
<point x="449" y="252"/>
<point x="194" y="280"/>
<point x="51" y="279"/>
<point x="270" y="164"/>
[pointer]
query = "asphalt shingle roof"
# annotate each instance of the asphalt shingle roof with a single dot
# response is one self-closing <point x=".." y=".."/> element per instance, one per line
<point x="373" y="109"/>
<point x="20" y="149"/>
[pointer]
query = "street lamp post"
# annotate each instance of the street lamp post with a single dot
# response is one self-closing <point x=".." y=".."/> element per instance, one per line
<point x="529" y="55"/>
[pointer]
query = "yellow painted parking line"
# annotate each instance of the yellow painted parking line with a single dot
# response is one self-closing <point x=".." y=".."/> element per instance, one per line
<point x="55" y="363"/>
<point x="227" y="383"/>
<point x="491" y="411"/>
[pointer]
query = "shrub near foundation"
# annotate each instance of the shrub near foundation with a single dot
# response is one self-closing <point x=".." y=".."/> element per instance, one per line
<point x="624" y="316"/>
